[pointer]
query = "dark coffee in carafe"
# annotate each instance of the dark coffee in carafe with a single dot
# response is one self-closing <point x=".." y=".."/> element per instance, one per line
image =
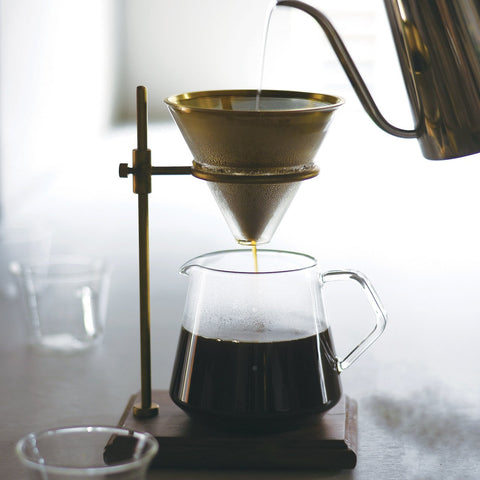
<point x="249" y="381"/>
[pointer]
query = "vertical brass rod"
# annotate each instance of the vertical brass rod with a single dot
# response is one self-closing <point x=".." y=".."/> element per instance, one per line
<point x="144" y="277"/>
<point x="141" y="118"/>
<point x="142" y="171"/>
<point x="142" y="187"/>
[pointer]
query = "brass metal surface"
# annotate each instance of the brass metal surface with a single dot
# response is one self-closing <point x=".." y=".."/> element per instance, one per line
<point x="438" y="45"/>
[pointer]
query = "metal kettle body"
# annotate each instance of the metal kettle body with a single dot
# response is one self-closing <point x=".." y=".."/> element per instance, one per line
<point x="438" y="46"/>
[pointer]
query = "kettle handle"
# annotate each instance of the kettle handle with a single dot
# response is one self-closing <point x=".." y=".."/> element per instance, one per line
<point x="380" y="314"/>
<point x="351" y="70"/>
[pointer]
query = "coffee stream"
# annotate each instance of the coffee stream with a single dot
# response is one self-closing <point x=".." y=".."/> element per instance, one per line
<point x="255" y="257"/>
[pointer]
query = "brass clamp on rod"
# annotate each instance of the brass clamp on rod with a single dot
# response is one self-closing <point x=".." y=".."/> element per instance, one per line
<point x="142" y="172"/>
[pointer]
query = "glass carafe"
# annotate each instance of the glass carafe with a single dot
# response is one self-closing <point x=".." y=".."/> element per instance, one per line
<point x="255" y="345"/>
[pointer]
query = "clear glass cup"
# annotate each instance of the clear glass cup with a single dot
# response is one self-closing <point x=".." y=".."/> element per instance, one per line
<point x="66" y="300"/>
<point x="95" y="452"/>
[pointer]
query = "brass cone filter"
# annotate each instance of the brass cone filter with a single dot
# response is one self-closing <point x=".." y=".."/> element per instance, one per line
<point x="253" y="150"/>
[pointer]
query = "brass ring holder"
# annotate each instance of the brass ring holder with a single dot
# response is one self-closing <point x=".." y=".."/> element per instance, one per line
<point x="220" y="177"/>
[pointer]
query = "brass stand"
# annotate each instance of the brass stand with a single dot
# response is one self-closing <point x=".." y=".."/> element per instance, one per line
<point x="142" y="172"/>
<point x="243" y="148"/>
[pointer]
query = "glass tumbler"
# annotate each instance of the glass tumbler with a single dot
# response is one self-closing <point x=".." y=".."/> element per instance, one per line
<point x="93" y="452"/>
<point x="65" y="300"/>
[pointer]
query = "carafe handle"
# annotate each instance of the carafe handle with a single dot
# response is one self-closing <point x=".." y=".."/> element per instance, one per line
<point x="380" y="314"/>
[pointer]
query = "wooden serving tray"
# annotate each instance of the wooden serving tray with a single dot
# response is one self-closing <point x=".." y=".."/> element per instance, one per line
<point x="329" y="441"/>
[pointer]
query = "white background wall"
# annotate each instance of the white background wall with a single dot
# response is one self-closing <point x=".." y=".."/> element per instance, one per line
<point x="57" y="69"/>
<point x="377" y="205"/>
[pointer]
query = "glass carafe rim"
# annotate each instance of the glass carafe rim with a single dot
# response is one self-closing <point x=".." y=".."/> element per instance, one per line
<point x="196" y="262"/>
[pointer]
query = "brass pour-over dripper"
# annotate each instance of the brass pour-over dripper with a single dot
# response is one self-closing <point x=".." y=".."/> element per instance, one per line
<point x="253" y="150"/>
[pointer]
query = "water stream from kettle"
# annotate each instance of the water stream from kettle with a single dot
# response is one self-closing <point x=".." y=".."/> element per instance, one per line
<point x="266" y="28"/>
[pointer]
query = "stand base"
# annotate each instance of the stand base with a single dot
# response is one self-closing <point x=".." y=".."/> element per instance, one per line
<point x="329" y="441"/>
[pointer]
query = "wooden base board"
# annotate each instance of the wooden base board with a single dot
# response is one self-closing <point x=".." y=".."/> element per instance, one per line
<point x="329" y="441"/>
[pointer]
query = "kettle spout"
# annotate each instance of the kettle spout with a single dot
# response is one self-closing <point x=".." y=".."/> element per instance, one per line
<point x="438" y="47"/>
<point x="350" y="69"/>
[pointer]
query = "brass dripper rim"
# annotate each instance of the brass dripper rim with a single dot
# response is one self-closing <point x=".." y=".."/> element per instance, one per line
<point x="205" y="101"/>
